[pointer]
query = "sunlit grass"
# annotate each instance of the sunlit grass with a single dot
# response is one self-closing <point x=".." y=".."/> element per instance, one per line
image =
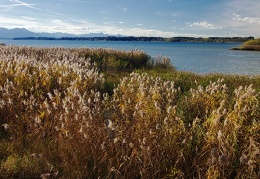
<point x="251" y="45"/>
<point x="84" y="113"/>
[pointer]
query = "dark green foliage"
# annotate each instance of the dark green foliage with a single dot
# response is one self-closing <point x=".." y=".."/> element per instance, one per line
<point x="117" y="60"/>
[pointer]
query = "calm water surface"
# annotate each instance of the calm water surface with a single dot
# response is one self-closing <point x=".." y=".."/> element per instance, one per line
<point x="202" y="58"/>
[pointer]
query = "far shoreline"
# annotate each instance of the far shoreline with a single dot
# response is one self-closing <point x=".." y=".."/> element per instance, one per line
<point x="254" y="49"/>
<point x="146" y="39"/>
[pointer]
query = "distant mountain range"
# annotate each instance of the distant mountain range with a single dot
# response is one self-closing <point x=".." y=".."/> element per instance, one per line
<point x="22" y="32"/>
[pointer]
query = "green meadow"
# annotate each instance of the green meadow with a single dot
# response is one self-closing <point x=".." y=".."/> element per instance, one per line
<point x="104" y="113"/>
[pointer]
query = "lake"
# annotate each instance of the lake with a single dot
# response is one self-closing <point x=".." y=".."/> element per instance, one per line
<point x="201" y="58"/>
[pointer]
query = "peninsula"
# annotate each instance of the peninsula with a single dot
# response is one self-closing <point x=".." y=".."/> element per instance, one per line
<point x="251" y="45"/>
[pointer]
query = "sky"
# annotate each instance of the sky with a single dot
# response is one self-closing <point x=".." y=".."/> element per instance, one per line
<point x="160" y="18"/>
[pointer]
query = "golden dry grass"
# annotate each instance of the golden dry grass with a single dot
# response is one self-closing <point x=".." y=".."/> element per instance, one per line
<point x="251" y="45"/>
<point x="58" y="121"/>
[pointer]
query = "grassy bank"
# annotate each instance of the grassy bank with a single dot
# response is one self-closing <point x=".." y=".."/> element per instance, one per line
<point x="90" y="113"/>
<point x="251" y="45"/>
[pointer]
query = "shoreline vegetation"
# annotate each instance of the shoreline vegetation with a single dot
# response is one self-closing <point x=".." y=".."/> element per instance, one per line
<point x="251" y="45"/>
<point x="104" y="113"/>
<point x="146" y="39"/>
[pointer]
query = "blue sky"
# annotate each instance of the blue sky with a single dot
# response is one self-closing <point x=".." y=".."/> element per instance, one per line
<point x="165" y="18"/>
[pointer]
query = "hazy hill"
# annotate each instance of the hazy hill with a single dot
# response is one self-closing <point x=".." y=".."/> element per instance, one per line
<point x="17" y="32"/>
<point x="22" y="32"/>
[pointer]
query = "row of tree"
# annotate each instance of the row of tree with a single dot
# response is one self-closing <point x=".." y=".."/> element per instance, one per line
<point x="147" y="39"/>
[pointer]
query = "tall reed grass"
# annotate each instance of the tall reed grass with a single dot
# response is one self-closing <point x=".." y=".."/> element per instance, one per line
<point x="57" y="120"/>
<point x="251" y="45"/>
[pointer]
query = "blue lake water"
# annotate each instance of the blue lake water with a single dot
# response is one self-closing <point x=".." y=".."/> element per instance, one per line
<point x="202" y="58"/>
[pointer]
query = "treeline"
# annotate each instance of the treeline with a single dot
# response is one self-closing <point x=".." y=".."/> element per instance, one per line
<point x="147" y="39"/>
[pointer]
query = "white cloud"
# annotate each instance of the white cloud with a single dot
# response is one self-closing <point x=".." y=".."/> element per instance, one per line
<point x="80" y="26"/>
<point x="28" y="18"/>
<point x="248" y="8"/>
<point x="250" y="20"/>
<point x="75" y="1"/>
<point x="14" y="22"/>
<point x="241" y="17"/>
<point x="124" y="9"/>
<point x="167" y="13"/>
<point x="20" y="3"/>
<point x="203" y="24"/>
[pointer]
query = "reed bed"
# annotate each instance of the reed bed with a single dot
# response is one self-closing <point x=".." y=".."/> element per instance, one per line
<point x="251" y="45"/>
<point x="57" y="121"/>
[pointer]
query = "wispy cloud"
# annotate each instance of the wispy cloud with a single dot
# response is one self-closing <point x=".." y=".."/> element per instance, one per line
<point x="168" y="13"/>
<point x="241" y="17"/>
<point x="246" y="8"/>
<point x="250" y="20"/>
<point x="28" y="18"/>
<point x="20" y="3"/>
<point x="124" y="9"/>
<point x="80" y="26"/>
<point x="75" y="1"/>
<point x="203" y="24"/>
<point x="15" y="22"/>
